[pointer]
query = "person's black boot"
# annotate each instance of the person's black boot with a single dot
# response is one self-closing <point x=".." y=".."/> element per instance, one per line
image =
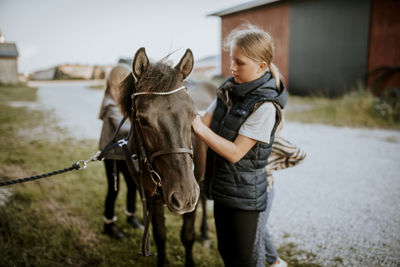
<point x="112" y="230"/>
<point x="134" y="222"/>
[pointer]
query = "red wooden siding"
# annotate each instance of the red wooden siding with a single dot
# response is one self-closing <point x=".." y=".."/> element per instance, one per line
<point x="384" y="46"/>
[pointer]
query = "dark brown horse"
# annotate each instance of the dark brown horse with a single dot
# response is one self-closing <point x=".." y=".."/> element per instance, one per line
<point x="154" y="97"/>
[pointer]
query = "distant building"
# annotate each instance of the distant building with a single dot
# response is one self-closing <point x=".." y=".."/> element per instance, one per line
<point x="101" y="72"/>
<point x="47" y="74"/>
<point x="72" y="72"/>
<point x="322" y="45"/>
<point x="76" y="71"/>
<point x="206" y="67"/>
<point x="8" y="62"/>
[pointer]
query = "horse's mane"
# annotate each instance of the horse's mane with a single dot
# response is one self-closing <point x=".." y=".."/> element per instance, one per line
<point x="158" y="77"/>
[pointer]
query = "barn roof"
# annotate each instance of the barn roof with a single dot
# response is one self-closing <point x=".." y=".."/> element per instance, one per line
<point x="8" y="50"/>
<point x="242" y="7"/>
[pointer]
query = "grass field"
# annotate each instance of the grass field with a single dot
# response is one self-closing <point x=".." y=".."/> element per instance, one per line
<point x="358" y="108"/>
<point x="57" y="221"/>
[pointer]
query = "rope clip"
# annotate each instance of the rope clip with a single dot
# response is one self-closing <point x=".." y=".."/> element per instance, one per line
<point x="82" y="164"/>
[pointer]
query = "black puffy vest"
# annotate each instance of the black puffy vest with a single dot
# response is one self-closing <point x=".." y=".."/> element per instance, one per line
<point x="243" y="184"/>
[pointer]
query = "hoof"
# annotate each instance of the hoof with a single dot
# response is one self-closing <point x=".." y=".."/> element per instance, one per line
<point x="205" y="242"/>
<point x="190" y="264"/>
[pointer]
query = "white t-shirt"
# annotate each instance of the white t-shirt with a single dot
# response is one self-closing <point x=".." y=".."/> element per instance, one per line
<point x="258" y="125"/>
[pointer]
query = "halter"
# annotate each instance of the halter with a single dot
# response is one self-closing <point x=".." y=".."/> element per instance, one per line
<point x="141" y="159"/>
<point x="141" y="150"/>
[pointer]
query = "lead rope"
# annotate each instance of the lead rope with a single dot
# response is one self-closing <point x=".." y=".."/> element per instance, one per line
<point x="80" y="165"/>
<point x="142" y="159"/>
<point x="138" y="172"/>
<point x="147" y="214"/>
<point x="146" y="235"/>
<point x="36" y="177"/>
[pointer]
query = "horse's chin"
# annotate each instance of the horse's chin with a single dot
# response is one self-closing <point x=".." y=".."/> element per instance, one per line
<point x="180" y="212"/>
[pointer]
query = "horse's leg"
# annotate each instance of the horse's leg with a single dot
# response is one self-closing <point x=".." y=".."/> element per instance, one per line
<point x="188" y="236"/>
<point x="204" y="238"/>
<point x="199" y="152"/>
<point x="160" y="233"/>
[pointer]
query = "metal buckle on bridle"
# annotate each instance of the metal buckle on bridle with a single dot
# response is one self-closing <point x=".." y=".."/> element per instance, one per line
<point x="122" y="142"/>
<point x="158" y="177"/>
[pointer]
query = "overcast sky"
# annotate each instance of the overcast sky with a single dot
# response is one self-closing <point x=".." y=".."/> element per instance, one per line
<point x="52" y="32"/>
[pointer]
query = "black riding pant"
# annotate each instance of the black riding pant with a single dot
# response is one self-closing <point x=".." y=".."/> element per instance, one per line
<point x="236" y="232"/>
<point x="121" y="166"/>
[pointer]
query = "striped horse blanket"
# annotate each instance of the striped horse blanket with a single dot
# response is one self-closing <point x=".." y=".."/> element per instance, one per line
<point x="284" y="155"/>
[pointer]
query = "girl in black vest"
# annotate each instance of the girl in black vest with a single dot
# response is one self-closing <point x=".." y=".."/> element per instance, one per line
<point x="239" y="128"/>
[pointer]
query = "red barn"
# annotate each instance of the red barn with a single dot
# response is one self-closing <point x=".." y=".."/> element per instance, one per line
<point x="323" y="45"/>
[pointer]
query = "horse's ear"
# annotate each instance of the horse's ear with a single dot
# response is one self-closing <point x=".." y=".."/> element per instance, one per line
<point x="140" y="63"/>
<point x="185" y="66"/>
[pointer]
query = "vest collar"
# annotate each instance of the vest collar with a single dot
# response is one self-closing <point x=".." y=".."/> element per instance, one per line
<point x="245" y="88"/>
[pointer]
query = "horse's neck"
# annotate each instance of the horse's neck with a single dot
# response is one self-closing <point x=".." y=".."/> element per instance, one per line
<point x="200" y="95"/>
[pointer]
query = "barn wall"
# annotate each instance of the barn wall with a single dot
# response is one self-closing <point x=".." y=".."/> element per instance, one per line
<point x="272" y="18"/>
<point x="8" y="71"/>
<point x="384" y="46"/>
<point x="328" y="45"/>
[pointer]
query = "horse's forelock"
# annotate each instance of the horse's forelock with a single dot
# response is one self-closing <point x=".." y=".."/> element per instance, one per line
<point x="159" y="76"/>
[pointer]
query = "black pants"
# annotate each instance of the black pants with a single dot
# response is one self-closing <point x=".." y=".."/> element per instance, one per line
<point x="112" y="193"/>
<point x="236" y="232"/>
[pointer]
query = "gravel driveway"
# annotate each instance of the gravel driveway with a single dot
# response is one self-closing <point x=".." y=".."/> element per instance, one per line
<point x="343" y="202"/>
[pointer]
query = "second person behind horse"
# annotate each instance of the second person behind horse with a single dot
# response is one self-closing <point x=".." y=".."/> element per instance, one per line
<point x="114" y="161"/>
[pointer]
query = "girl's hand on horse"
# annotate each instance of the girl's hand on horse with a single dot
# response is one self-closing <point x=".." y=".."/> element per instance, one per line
<point x="198" y="125"/>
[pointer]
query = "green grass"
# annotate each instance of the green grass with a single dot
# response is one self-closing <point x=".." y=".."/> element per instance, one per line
<point x="358" y="108"/>
<point x="57" y="221"/>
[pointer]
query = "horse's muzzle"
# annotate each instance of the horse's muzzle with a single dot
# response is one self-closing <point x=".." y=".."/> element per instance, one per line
<point x="180" y="203"/>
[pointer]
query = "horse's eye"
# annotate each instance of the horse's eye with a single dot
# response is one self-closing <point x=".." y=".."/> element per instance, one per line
<point x="143" y="122"/>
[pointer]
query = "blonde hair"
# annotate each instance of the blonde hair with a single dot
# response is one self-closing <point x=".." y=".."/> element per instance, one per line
<point x="256" y="44"/>
<point x="114" y="78"/>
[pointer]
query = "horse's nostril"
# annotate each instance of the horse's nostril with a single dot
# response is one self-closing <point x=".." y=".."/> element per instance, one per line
<point x="174" y="201"/>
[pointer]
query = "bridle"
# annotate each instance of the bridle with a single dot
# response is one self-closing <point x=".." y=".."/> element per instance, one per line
<point x="144" y="162"/>
<point x="166" y="151"/>
<point x="143" y="156"/>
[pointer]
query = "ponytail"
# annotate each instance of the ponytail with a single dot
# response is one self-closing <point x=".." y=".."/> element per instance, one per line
<point x="276" y="75"/>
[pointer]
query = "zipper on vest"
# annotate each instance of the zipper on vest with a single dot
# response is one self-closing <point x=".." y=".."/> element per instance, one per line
<point x="228" y="109"/>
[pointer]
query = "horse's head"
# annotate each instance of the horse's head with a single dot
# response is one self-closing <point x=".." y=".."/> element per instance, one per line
<point x="164" y="116"/>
